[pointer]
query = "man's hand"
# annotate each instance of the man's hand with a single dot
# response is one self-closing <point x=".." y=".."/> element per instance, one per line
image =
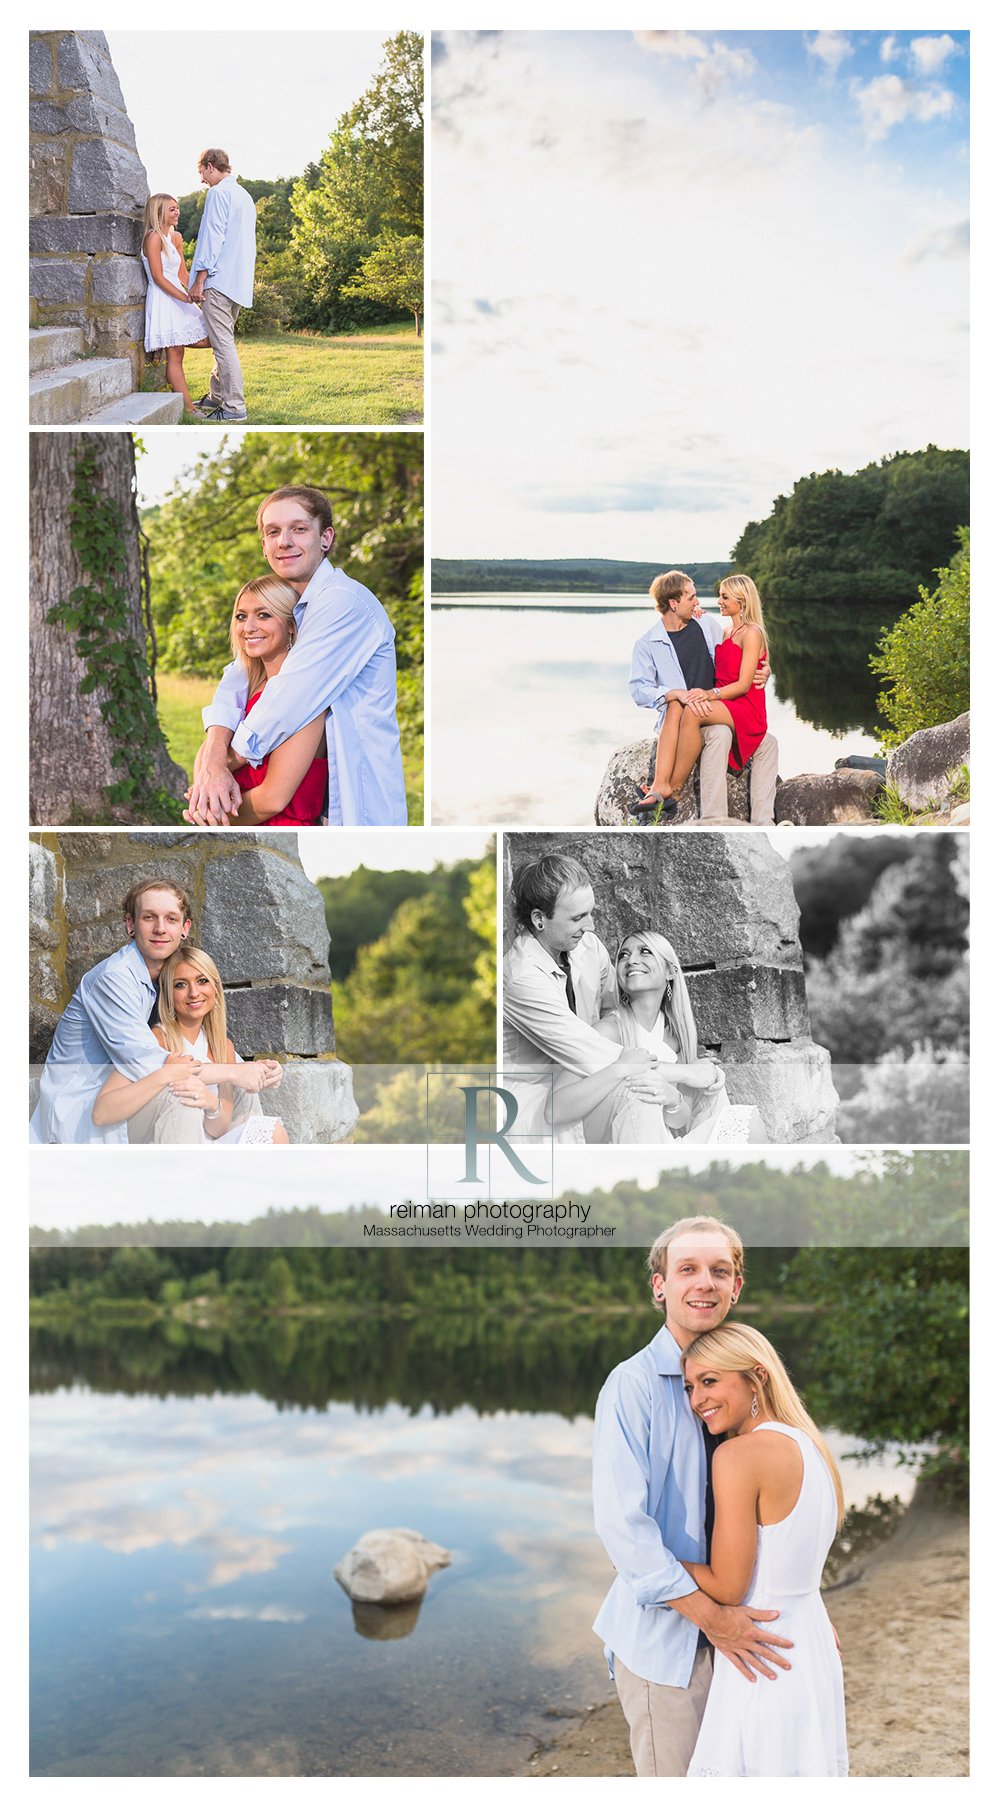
<point x="213" y="797"/>
<point x="656" y="1086"/>
<point x="700" y="702"/>
<point x="676" y="696"/>
<point x="259" y="1076"/>
<point x="762" y="675"/>
<point x="751" y="1648"/>
<point x="197" y="288"/>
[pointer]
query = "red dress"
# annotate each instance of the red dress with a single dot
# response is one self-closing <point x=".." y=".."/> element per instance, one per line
<point x="749" y="712"/>
<point x="308" y="801"/>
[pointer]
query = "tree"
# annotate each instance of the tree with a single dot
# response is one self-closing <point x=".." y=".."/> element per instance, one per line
<point x="392" y="274"/>
<point x="96" y="749"/>
<point x="925" y="656"/>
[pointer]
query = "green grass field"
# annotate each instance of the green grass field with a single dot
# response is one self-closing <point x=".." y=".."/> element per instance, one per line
<point x="371" y="379"/>
<point x="180" y="702"/>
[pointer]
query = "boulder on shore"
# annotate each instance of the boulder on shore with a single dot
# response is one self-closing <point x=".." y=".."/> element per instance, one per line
<point x="845" y="796"/>
<point x="631" y="767"/>
<point x="390" y="1566"/>
<point x="920" y="769"/>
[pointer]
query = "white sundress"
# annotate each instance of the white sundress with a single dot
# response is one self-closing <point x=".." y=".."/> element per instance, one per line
<point x="635" y="1122"/>
<point x="254" y="1129"/>
<point x="794" y="1726"/>
<point x="169" y="321"/>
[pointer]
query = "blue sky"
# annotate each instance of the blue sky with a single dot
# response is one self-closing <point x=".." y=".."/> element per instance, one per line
<point x="674" y="271"/>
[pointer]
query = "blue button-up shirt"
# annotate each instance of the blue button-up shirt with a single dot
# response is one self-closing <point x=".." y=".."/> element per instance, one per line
<point x="649" y="1509"/>
<point x="656" y="668"/>
<point x="343" y="661"/>
<point x="226" y="247"/>
<point x="105" y="1026"/>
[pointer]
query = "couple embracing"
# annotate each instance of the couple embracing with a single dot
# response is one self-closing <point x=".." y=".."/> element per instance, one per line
<point x="706" y="677"/>
<point x="717" y="1501"/>
<point x="600" y="1050"/>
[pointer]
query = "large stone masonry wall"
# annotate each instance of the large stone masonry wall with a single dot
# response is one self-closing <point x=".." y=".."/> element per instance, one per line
<point x="726" y="903"/>
<point x="255" y="913"/>
<point x="87" y="189"/>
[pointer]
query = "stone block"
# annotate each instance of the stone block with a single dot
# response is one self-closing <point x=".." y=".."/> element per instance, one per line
<point x="267" y="918"/>
<point x="86" y="232"/>
<point x="315" y="1102"/>
<point x="631" y="767"/>
<point x="760" y="1003"/>
<point x="40" y="71"/>
<point x="278" y="1020"/>
<point x="919" y="770"/>
<point x="89" y="850"/>
<point x="85" y="62"/>
<point x="105" y="178"/>
<point x="844" y="796"/>
<point x="118" y="279"/>
<point x="43" y="895"/>
<point x="44" y="984"/>
<point x="41" y="1028"/>
<point x="48" y="171"/>
<point x="58" y="278"/>
<point x="120" y="335"/>
<point x="84" y="115"/>
<point x="790" y="1084"/>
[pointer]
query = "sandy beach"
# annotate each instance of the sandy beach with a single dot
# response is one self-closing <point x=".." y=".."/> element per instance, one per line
<point x="907" y="1694"/>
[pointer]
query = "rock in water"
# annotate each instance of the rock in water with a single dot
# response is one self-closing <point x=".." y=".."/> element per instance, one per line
<point x="631" y="767"/>
<point x="822" y="797"/>
<point x="387" y="1567"/>
<point x="919" y="770"/>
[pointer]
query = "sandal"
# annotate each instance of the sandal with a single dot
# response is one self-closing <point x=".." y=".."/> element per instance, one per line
<point x="645" y="802"/>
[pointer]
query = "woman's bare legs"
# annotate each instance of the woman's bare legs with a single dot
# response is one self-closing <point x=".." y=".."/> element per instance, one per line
<point x="689" y="743"/>
<point x="280" y="1133"/>
<point x="666" y="750"/>
<point x="175" y="375"/>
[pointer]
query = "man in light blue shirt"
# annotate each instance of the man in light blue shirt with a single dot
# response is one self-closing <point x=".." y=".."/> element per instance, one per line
<point x="106" y="1023"/>
<point x="651" y="1469"/>
<point x="222" y="279"/>
<point x="343" y="663"/>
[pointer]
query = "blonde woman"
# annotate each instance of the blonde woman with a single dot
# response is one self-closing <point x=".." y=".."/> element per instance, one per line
<point x="735" y="701"/>
<point x="192" y="1011"/>
<point x="173" y="320"/>
<point x="289" y="787"/>
<point x="653" y="1019"/>
<point x="778" y="1504"/>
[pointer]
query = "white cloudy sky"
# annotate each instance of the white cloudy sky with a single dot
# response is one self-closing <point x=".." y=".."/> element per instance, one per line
<point x="269" y="98"/>
<point x="673" y="272"/>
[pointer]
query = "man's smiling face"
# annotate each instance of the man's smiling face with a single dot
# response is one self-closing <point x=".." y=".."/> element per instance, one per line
<point x="700" y="1284"/>
<point x="294" y="545"/>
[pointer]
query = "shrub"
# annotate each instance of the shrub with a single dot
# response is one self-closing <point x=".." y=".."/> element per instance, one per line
<point x="925" y="656"/>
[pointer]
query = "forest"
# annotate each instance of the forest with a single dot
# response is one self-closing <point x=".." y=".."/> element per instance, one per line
<point x="628" y="576"/>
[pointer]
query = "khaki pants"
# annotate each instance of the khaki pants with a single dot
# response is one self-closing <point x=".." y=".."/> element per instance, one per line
<point x="225" y="385"/>
<point x="663" y="1722"/>
<point x="716" y="741"/>
<point x="166" y="1120"/>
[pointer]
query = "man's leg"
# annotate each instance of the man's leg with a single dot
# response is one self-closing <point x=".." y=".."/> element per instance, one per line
<point x="226" y="385"/>
<point x="166" y="1120"/>
<point x="764" y="782"/>
<point x="663" y="1722"/>
<point x="716" y="740"/>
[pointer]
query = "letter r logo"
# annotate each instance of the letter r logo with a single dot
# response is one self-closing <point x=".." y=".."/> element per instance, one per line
<point x="473" y="1136"/>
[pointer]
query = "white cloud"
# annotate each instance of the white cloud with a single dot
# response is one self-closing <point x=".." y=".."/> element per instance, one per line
<point x="682" y="44"/>
<point x="942" y="241"/>
<point x="889" y="50"/>
<point x="831" y="48"/>
<point x="887" y="101"/>
<point x="715" y="64"/>
<point x="928" y="55"/>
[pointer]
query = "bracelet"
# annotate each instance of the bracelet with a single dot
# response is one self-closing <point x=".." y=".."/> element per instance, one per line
<point x="210" y="1116"/>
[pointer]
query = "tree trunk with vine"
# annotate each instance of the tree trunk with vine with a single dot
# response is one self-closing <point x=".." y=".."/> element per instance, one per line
<point x="73" y="737"/>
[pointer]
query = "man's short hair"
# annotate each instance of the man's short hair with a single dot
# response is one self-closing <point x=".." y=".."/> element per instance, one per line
<point x="667" y="588"/>
<point x="656" y="1261"/>
<point x="313" y="501"/>
<point x="134" y="896"/>
<point x="537" y="885"/>
<point x="216" y="158"/>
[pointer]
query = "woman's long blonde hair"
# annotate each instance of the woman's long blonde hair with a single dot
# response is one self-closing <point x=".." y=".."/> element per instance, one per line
<point x="674" y="1003"/>
<point x="214" y="1024"/>
<point x="740" y="1350"/>
<point x="153" y="217"/>
<point x="747" y="595"/>
<point x="282" y="599"/>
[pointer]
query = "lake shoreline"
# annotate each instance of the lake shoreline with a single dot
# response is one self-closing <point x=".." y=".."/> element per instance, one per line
<point x="882" y="1612"/>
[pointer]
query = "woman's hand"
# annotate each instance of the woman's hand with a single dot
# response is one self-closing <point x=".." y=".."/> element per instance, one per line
<point x="192" y="1091"/>
<point x="704" y="1076"/>
<point x="258" y="1076"/>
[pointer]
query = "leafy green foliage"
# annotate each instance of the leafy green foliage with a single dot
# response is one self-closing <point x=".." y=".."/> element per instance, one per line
<point x="367" y="189"/>
<point x="393" y="274"/>
<point x="96" y="613"/>
<point x="834" y="880"/>
<point x="204" y="543"/>
<point x="869" y="536"/>
<point x="925" y="656"/>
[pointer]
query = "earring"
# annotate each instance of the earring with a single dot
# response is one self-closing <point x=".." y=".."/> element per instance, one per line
<point x="754" y="1408"/>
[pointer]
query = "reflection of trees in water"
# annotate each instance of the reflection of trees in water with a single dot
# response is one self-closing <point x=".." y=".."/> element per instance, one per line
<point x="820" y="652"/>
<point x="550" y="1364"/>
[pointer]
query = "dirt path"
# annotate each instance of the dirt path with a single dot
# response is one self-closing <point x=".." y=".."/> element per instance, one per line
<point x="907" y="1691"/>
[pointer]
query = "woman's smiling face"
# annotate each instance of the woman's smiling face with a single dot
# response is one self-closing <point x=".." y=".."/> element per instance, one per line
<point x="721" y="1398"/>
<point x="639" y="967"/>
<point x="262" y="633"/>
<point x="193" y="992"/>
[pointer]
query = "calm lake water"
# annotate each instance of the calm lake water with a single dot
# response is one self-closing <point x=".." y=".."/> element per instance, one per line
<point x="529" y="698"/>
<point x="192" y="1491"/>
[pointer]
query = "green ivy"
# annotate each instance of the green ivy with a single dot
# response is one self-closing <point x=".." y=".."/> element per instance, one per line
<point x="96" y="614"/>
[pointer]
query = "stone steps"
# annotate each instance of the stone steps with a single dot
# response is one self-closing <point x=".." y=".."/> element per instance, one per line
<point x="68" y="390"/>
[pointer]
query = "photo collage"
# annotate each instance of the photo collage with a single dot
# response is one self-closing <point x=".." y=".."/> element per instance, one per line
<point x="499" y="990"/>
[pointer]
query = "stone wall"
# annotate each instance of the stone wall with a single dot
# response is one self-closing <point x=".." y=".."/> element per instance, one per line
<point x="255" y="913"/>
<point x="87" y="190"/>
<point x="726" y="903"/>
